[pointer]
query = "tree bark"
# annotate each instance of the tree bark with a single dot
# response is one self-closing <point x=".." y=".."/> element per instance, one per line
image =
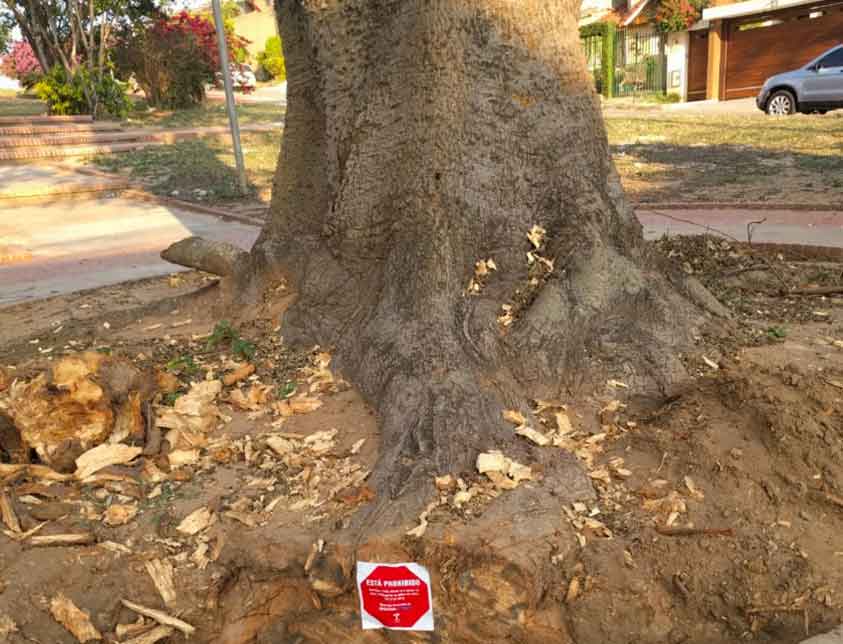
<point x="424" y="136"/>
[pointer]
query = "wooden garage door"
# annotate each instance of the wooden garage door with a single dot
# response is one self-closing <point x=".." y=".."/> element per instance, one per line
<point x="765" y="44"/>
<point x="697" y="64"/>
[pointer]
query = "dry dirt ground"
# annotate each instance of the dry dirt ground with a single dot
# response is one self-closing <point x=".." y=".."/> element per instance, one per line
<point x="715" y="516"/>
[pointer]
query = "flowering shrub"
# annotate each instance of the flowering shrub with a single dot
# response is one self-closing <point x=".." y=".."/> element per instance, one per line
<point x="172" y="60"/>
<point x="21" y="63"/>
<point x="678" y="15"/>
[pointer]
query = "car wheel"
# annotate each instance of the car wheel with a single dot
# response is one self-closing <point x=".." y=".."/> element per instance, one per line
<point x="782" y="103"/>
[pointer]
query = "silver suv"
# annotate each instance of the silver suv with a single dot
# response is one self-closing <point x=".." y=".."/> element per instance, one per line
<point x="817" y="87"/>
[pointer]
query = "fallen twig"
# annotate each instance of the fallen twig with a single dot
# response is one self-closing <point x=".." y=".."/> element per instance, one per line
<point x="715" y="231"/>
<point x="695" y="532"/>
<point x="745" y="269"/>
<point x="82" y="539"/>
<point x="160" y="617"/>
<point x="817" y="290"/>
<point x="828" y="497"/>
<point x="750" y="226"/>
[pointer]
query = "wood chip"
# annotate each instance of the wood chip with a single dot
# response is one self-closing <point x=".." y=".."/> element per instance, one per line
<point x="7" y="513"/>
<point x="532" y="435"/>
<point x="36" y="471"/>
<point x="196" y="521"/>
<point x="573" y="590"/>
<point x="79" y="539"/>
<point x="7" y="625"/>
<point x="77" y="621"/>
<point x="182" y="457"/>
<point x="241" y="373"/>
<point x="103" y="456"/>
<point x="160" y="617"/>
<point x="162" y="576"/>
<point x="119" y="514"/>
<point x="127" y="630"/>
<point x="515" y="417"/>
<point x="246" y="518"/>
<point x="155" y="635"/>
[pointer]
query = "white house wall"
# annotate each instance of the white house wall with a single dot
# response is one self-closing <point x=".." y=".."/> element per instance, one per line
<point x="677" y="64"/>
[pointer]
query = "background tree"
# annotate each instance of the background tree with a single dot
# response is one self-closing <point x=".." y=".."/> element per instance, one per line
<point x="75" y="34"/>
<point x="422" y="138"/>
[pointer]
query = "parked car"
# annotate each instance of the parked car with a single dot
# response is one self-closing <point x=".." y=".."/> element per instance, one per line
<point x="816" y="87"/>
<point x="242" y="78"/>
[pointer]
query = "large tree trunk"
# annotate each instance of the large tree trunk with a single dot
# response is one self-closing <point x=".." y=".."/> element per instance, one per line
<point x="423" y="136"/>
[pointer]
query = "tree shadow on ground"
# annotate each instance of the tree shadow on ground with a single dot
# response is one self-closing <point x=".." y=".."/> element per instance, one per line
<point x="201" y="170"/>
<point x="668" y="172"/>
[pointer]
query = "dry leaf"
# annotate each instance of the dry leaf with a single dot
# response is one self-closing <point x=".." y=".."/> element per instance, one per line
<point x="195" y="411"/>
<point x="254" y="400"/>
<point x="161" y="573"/>
<point x="355" y="449"/>
<point x="167" y="382"/>
<point x="118" y="514"/>
<point x="419" y="530"/>
<point x="7" y="625"/>
<point x="77" y="621"/>
<point x="695" y="492"/>
<point x="602" y="475"/>
<point x="241" y="373"/>
<point x="196" y="521"/>
<point x="280" y="445"/>
<point x="304" y="405"/>
<point x="536" y="236"/>
<point x="666" y="505"/>
<point x="103" y="456"/>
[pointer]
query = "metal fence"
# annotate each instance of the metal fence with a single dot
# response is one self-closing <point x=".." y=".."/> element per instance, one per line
<point x="640" y="62"/>
<point x="593" y="46"/>
<point x="630" y="62"/>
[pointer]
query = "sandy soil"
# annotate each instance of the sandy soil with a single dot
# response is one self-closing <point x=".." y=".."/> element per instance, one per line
<point x="713" y="517"/>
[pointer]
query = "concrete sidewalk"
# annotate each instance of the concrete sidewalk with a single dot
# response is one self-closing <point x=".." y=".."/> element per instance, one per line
<point x="70" y="246"/>
<point x="809" y="228"/>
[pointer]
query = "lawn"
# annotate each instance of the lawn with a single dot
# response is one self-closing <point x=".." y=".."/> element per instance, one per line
<point x="201" y="170"/>
<point x="11" y="105"/>
<point x="209" y="114"/>
<point x="667" y="157"/>
<point x="660" y="156"/>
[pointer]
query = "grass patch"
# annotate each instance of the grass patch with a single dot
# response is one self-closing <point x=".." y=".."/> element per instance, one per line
<point x="669" y="157"/>
<point x="201" y="170"/>
<point x="12" y="105"/>
<point x="207" y="115"/>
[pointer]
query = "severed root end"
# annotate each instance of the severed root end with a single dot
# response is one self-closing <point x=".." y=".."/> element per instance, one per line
<point x="217" y="258"/>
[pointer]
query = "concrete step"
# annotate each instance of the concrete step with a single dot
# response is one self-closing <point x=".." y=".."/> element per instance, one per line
<point x="73" y="138"/>
<point x="19" y="155"/>
<point x="43" y="119"/>
<point x="59" y="128"/>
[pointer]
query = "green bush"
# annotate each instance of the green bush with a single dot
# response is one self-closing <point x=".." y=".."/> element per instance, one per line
<point x="80" y="93"/>
<point x="271" y="59"/>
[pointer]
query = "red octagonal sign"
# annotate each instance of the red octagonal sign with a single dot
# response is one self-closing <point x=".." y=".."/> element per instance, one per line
<point x="395" y="596"/>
